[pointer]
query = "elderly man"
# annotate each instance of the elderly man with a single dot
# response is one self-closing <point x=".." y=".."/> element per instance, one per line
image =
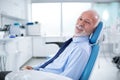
<point x="73" y="59"/>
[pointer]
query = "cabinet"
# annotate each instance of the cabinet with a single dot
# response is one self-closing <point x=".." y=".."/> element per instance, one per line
<point x="41" y="49"/>
<point x="19" y="51"/>
<point x="14" y="8"/>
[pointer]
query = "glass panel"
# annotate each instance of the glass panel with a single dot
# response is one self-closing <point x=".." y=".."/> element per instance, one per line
<point x="55" y="20"/>
<point x="106" y="12"/>
<point x="48" y="14"/>
<point x="110" y="15"/>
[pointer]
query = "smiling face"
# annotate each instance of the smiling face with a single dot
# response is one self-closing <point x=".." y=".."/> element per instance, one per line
<point x="86" y="23"/>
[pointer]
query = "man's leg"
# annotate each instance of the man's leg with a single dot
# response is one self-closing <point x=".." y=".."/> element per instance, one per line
<point x="3" y="74"/>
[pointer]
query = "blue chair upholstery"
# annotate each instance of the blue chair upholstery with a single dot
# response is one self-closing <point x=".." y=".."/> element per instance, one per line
<point x="95" y="50"/>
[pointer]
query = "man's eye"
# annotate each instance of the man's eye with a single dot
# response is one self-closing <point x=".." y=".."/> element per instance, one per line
<point x="87" y="22"/>
<point x="80" y="19"/>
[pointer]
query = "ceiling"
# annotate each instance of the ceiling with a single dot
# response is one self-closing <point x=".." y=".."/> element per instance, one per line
<point x="39" y="1"/>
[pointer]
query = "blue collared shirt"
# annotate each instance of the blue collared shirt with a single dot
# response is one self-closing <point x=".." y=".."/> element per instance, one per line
<point x="73" y="59"/>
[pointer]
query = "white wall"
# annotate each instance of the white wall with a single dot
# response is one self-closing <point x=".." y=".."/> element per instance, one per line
<point x="15" y="8"/>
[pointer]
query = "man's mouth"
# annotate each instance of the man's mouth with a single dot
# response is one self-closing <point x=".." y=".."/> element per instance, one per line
<point x="79" y="27"/>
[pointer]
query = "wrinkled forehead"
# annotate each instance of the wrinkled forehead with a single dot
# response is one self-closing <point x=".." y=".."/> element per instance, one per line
<point x="91" y="16"/>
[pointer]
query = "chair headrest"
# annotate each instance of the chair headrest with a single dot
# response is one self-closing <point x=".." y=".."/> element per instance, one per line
<point x="94" y="37"/>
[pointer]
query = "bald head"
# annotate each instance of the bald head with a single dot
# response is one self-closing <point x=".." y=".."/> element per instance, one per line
<point x="86" y="23"/>
<point x="93" y="15"/>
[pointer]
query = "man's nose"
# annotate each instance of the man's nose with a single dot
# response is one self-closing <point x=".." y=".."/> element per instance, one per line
<point x="81" y="23"/>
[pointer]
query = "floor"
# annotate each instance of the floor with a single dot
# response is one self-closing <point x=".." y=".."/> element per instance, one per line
<point x="104" y="69"/>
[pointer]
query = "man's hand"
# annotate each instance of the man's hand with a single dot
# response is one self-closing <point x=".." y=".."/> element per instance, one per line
<point x="27" y="68"/>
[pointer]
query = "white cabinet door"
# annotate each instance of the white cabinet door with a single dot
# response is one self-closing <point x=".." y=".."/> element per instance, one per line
<point x="19" y="51"/>
<point x="25" y="48"/>
<point x="14" y="8"/>
<point x="40" y="49"/>
<point x="38" y="46"/>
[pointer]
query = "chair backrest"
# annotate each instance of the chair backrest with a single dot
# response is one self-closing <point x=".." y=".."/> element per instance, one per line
<point x="95" y="50"/>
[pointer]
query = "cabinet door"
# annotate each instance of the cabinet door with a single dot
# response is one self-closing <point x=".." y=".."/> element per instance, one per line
<point x="40" y="49"/>
<point x="19" y="51"/>
<point x="14" y="8"/>
<point x="25" y="48"/>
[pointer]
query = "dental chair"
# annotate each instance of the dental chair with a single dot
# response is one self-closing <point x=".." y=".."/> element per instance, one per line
<point x="88" y="69"/>
<point x="95" y="50"/>
<point x="94" y="53"/>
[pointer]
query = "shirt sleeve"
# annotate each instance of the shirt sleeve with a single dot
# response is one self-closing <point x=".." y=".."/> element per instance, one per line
<point x="76" y="64"/>
<point x="37" y="67"/>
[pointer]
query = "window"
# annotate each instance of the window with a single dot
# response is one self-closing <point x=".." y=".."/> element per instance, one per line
<point x="48" y="15"/>
<point x="57" y="19"/>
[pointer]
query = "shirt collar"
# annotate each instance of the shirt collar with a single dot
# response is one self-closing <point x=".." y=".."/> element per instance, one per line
<point x="80" y="39"/>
